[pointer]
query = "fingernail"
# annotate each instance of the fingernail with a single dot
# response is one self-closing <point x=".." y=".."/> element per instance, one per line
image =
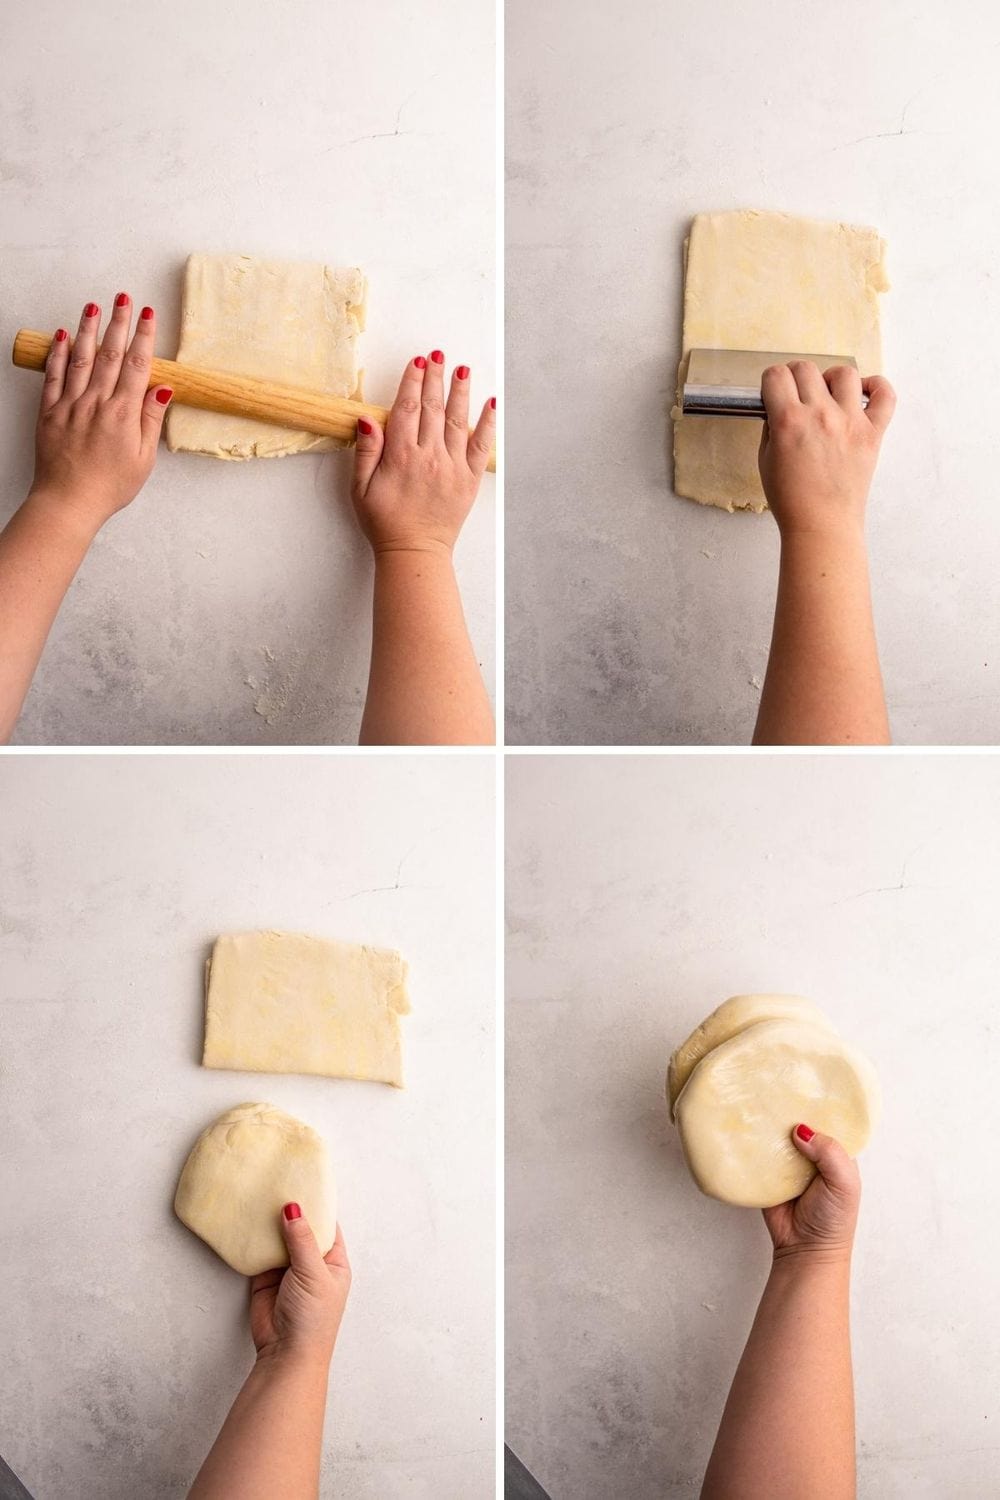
<point x="122" y="299"/>
<point x="61" y="335"/>
<point x="420" y="362"/>
<point x="493" y="403"/>
<point x="292" y="1211"/>
<point x="91" y="310"/>
<point x="164" y="396"/>
<point x="146" y="313"/>
<point x="804" y="1133"/>
<point x="437" y="356"/>
<point x="365" y="427"/>
<point x="462" y="373"/>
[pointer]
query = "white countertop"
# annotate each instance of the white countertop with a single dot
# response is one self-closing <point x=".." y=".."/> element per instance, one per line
<point x="635" y="617"/>
<point x="231" y="603"/>
<point x="125" y="1338"/>
<point x="641" y="893"/>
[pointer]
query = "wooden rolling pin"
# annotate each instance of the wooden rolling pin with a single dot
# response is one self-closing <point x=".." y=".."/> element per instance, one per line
<point x="238" y="395"/>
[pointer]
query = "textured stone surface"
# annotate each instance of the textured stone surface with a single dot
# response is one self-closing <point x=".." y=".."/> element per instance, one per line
<point x="231" y="603"/>
<point x="633" y="617"/>
<point x="125" y="1338"/>
<point x="639" y="890"/>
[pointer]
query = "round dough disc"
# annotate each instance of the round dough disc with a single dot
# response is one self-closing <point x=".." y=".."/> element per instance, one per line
<point x="728" y="1020"/>
<point x="242" y="1170"/>
<point x="739" y="1106"/>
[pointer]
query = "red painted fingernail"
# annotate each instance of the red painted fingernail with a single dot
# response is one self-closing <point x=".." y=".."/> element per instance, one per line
<point x="292" y="1211"/>
<point x="365" y="427"/>
<point x="462" y="373"/>
<point x="146" y="313"/>
<point x="122" y="299"/>
<point x="437" y="356"/>
<point x="420" y="362"/>
<point x="91" y="310"/>
<point x="493" y="403"/>
<point x="804" y="1133"/>
<point x="164" y="396"/>
<point x="61" y="335"/>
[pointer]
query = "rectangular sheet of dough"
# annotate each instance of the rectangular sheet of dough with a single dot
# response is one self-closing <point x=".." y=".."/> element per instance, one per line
<point x="295" y="322"/>
<point x="282" y="1002"/>
<point x="768" y="281"/>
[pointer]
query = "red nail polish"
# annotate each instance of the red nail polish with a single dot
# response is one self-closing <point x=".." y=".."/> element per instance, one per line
<point x="365" y="427"/>
<point x="163" y="396"/>
<point x="462" y="373"/>
<point x="420" y="362"/>
<point x="493" y="403"/>
<point x="437" y="357"/>
<point x="91" y="310"/>
<point x="804" y="1133"/>
<point x="122" y="299"/>
<point x="146" y="313"/>
<point x="61" y="335"/>
<point x="292" y="1211"/>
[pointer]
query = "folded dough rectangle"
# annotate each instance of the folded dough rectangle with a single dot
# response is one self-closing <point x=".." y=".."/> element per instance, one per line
<point x="293" y="322"/>
<point x="283" y="1002"/>
<point x="768" y="281"/>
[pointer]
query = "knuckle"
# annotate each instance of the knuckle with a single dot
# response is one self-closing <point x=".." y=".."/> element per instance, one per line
<point x="139" y="361"/>
<point x="433" y="404"/>
<point x="110" y="356"/>
<point x="457" y="423"/>
<point x="409" y="404"/>
<point x="80" y="362"/>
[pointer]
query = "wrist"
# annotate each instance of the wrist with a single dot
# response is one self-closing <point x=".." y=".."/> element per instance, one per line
<point x="812" y="1260"/>
<point x="839" y="535"/>
<point x="302" y="1358"/>
<point x="66" y="520"/>
<point x="412" y="547"/>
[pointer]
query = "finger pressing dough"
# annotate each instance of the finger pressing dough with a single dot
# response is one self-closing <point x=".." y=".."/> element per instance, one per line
<point x="768" y="281"/>
<point x="242" y="1170"/>
<point x="282" y="1002"/>
<point x="740" y="1104"/>
<point x="729" y="1019"/>
<point x="293" y="322"/>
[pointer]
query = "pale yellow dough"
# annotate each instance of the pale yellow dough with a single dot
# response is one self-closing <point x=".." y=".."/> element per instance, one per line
<point x="741" y="1103"/>
<point x="774" y="282"/>
<point x="282" y="1002"/>
<point x="728" y="1020"/>
<point x="242" y="1170"/>
<point x="294" y="322"/>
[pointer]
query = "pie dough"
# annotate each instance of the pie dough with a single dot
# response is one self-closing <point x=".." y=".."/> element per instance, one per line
<point x="740" y="1104"/>
<point x="775" y="282"/>
<point x="281" y="1002"/>
<point x="242" y="1170"/>
<point x="295" y="322"/>
<point x="728" y="1020"/>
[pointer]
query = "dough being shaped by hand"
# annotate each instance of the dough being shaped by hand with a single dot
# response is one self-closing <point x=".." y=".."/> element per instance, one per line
<point x="293" y="322"/>
<point x="241" y="1172"/>
<point x="774" y="282"/>
<point x="282" y="1002"/>
<point x="739" y="1106"/>
<point x="729" y="1019"/>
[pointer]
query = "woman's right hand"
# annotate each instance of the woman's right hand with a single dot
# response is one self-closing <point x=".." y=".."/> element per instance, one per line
<point x="822" y="1220"/>
<point x="298" y="1310"/>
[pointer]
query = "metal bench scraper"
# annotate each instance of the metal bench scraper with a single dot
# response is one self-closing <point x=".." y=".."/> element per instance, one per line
<point x="726" y="382"/>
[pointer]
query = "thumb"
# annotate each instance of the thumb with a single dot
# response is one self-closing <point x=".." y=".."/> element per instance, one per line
<point x="828" y="1156"/>
<point x="303" y="1252"/>
<point x="154" y="409"/>
<point x="367" y="452"/>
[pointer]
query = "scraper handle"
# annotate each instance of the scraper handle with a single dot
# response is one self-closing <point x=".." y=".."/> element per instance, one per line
<point x="237" y="395"/>
<point x="727" y="401"/>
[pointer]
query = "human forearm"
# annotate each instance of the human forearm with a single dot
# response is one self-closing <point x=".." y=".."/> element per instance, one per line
<point x="787" y="1432"/>
<point x="823" y="684"/>
<point x="425" y="686"/>
<point x="41" y="549"/>
<point x="270" y="1444"/>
